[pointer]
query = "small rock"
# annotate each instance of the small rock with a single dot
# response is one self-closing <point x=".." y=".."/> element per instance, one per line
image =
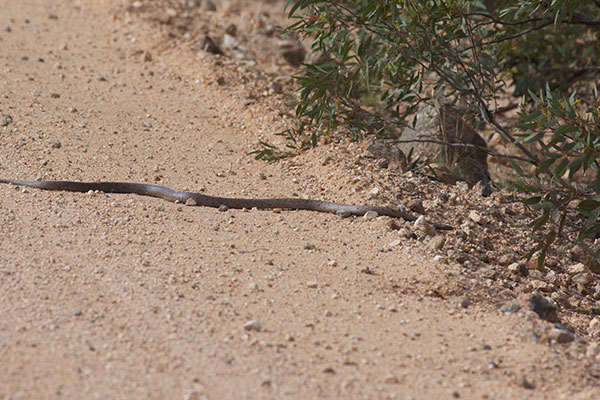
<point x="483" y="188"/>
<point x="524" y="382"/>
<point x="209" y="45"/>
<point x="326" y="160"/>
<point x="383" y="163"/>
<point x="593" y="350"/>
<point x="229" y="42"/>
<point x="518" y="269"/>
<point x="223" y="208"/>
<point x="505" y="259"/>
<point x="343" y="214"/>
<point x="5" y="119"/>
<point x="462" y="186"/>
<point x="575" y="269"/>
<point x="374" y="192"/>
<point x="385" y="149"/>
<point x="370" y="215"/>
<point x="424" y="226"/>
<point x="208" y="5"/>
<point x="312" y="284"/>
<point x="410" y="235"/>
<point x="309" y="246"/>
<point x="394" y="243"/>
<point x="476" y="217"/>
<point x="221" y="81"/>
<point x="594" y="327"/>
<point x="253" y="325"/>
<point x="465" y="301"/>
<point x="146" y="56"/>
<point x="437" y="242"/>
<point x="231" y="30"/>
<point x="53" y="16"/>
<point x="540" y="285"/>
<point x="56" y="145"/>
<point x="417" y="206"/>
<point x="544" y="307"/>
<point x="561" y="335"/>
<point x="7" y="28"/>
<point x="191" y="202"/>
<point x="293" y="52"/>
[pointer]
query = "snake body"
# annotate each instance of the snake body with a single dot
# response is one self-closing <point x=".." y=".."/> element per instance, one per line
<point x="166" y="193"/>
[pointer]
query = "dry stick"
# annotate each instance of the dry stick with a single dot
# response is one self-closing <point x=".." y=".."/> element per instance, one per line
<point x="430" y="139"/>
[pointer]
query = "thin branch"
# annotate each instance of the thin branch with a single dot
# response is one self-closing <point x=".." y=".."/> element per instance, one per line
<point x="467" y="145"/>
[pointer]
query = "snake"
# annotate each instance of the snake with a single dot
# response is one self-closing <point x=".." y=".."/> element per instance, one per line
<point x="223" y="203"/>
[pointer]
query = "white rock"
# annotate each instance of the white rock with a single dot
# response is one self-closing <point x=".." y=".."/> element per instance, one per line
<point x="462" y="186"/>
<point x="253" y="325"/>
<point x="395" y="243"/>
<point x="370" y="215"/>
<point x="476" y="217"/>
<point x="575" y="269"/>
<point x="424" y="226"/>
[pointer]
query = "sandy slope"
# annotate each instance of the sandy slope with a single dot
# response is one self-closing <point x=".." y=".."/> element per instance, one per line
<point x="117" y="296"/>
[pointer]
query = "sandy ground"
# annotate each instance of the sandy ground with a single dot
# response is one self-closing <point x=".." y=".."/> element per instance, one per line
<point x="127" y="297"/>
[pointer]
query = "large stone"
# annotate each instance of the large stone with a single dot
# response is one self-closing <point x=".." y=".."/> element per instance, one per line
<point x="448" y="125"/>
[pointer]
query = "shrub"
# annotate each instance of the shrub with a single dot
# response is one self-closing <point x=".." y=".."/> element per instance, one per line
<point x="381" y="59"/>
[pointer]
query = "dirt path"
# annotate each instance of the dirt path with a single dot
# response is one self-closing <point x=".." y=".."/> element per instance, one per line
<point x="118" y="296"/>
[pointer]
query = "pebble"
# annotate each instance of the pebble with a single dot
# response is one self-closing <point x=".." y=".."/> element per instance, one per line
<point x="309" y="246"/>
<point x="208" y="5"/>
<point x="511" y="307"/>
<point x="437" y="242"/>
<point x="370" y="215"/>
<point x="343" y="214"/>
<point x="465" y="301"/>
<point x="209" y="45"/>
<point x="417" y="206"/>
<point x="253" y="325"/>
<point x="293" y="52"/>
<point x="544" y="307"/>
<point x="593" y="350"/>
<point x="312" y="284"/>
<point x="561" y="335"/>
<point x="395" y="243"/>
<point x="424" y="226"/>
<point x="476" y="217"/>
<point x="5" y="119"/>
<point x="223" y="208"/>
<point x="7" y="28"/>
<point x="594" y="327"/>
<point x="524" y="382"/>
<point x="191" y="202"/>
<point x="462" y="186"/>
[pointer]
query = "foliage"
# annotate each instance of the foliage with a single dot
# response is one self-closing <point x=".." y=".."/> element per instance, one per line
<point x="381" y="59"/>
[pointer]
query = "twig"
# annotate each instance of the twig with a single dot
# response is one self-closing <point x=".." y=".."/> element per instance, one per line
<point x="468" y="145"/>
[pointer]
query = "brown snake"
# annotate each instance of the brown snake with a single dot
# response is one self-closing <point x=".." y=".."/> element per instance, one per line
<point x="165" y="193"/>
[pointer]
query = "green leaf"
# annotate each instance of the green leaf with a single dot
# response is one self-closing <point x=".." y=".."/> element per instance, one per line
<point x="516" y="167"/>
<point x="587" y="206"/>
